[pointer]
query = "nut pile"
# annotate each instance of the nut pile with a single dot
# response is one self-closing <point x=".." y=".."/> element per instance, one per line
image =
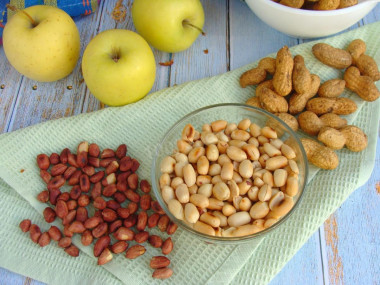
<point x="230" y="179"/>
<point x="318" y="4"/>
<point x="292" y="88"/>
<point x="102" y="182"/>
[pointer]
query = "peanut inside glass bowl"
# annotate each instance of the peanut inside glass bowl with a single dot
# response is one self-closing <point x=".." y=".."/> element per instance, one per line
<point x="232" y="113"/>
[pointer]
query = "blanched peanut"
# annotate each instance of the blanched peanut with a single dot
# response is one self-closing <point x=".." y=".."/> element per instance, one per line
<point x="244" y="124"/>
<point x="206" y="128"/>
<point x="222" y="147"/>
<point x="222" y="218"/>
<point x="254" y="141"/>
<point x="280" y="176"/>
<point x="258" y="182"/>
<point x="216" y="179"/>
<point x="262" y="140"/>
<point x="284" y="207"/>
<point x="182" y="193"/>
<point x="205" y="189"/>
<point x="251" y="151"/>
<point x="276" y="162"/>
<point x="204" y="228"/>
<point x="270" y="222"/>
<point x="210" y="219"/>
<point x="212" y="152"/>
<point x="167" y="165"/>
<point x="236" y="165"/>
<point x="198" y="143"/>
<point x="218" y="232"/>
<point x="215" y="204"/>
<point x="236" y="153"/>
<point x="259" y="173"/>
<point x="277" y="143"/>
<point x="203" y="165"/>
<point x="193" y="189"/>
<point x="259" y="210"/>
<point x="164" y="180"/>
<point x="246" y="168"/>
<point x="234" y="189"/>
<point x="268" y="178"/>
<point x="263" y="159"/>
<point x="293" y="166"/>
<point x="176" y="209"/>
<point x="203" y="179"/>
<point x="271" y="150"/>
<point x="228" y="210"/>
<point x="269" y="133"/>
<point x="188" y="133"/>
<point x="246" y="230"/>
<point x="214" y="169"/>
<point x="167" y="193"/>
<point x="223" y="158"/>
<point x="227" y="171"/>
<point x="178" y="168"/>
<point x="191" y="213"/>
<point x="175" y="182"/>
<point x="236" y="202"/>
<point x="288" y="152"/>
<point x="180" y="157"/>
<point x="245" y="204"/>
<point x="265" y="193"/>
<point x="276" y="200"/>
<point x="189" y="175"/>
<point x="197" y="135"/>
<point x="228" y="232"/>
<point x="275" y="191"/>
<point x="238" y="219"/>
<point x="236" y="177"/>
<point x="291" y="186"/>
<point x="209" y="138"/>
<point x="199" y="200"/>
<point x="196" y="153"/>
<point x="244" y="186"/>
<point x="237" y="143"/>
<point x="230" y="128"/>
<point x="253" y="193"/>
<point x="240" y="135"/>
<point x="222" y="137"/>
<point x="218" y="125"/>
<point x="255" y="130"/>
<point x="184" y="147"/>
<point x="221" y="191"/>
<point x="259" y="223"/>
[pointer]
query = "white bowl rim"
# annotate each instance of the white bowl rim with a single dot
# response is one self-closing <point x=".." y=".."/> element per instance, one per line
<point x="335" y="12"/>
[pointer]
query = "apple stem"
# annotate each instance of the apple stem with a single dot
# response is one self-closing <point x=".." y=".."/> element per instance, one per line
<point x="186" y="22"/>
<point x="115" y="54"/>
<point x="15" y="9"/>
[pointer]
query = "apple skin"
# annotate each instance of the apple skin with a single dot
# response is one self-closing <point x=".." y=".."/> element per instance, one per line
<point x="47" y="52"/>
<point x="125" y="80"/>
<point x="160" y="22"/>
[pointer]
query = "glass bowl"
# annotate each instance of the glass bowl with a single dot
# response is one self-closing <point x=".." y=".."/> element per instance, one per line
<point x="232" y="113"/>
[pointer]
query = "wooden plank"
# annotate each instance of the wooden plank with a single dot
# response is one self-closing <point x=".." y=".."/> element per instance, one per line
<point x="194" y="63"/>
<point x="250" y="38"/>
<point x="304" y="267"/>
<point x="352" y="233"/>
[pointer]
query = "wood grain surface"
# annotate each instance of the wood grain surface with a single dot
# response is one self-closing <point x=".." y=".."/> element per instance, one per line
<point x="345" y="250"/>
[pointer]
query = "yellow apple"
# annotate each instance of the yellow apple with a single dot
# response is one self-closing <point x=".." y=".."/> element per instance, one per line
<point x="168" y="25"/>
<point x="118" y="67"/>
<point x="42" y="43"/>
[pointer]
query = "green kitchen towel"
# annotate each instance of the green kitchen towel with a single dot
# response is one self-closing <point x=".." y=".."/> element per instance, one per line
<point x="141" y="126"/>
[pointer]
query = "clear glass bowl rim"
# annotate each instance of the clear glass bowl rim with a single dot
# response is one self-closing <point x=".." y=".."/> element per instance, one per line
<point x="216" y="239"/>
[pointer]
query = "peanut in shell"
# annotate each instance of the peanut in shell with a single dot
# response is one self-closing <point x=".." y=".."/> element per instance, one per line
<point x="331" y="56"/>
<point x="282" y="78"/>
<point x="339" y="106"/>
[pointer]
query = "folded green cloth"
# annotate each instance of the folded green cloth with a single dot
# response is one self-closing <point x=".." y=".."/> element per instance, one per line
<point x="141" y="125"/>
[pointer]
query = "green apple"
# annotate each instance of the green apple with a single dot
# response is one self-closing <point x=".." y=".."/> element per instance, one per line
<point x="118" y="67"/>
<point x="42" y="43"/>
<point x="168" y="25"/>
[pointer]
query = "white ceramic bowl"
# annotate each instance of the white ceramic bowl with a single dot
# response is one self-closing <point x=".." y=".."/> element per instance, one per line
<point x="306" y="23"/>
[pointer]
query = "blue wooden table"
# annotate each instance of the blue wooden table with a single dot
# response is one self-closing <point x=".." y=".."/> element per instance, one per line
<point x="345" y="250"/>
